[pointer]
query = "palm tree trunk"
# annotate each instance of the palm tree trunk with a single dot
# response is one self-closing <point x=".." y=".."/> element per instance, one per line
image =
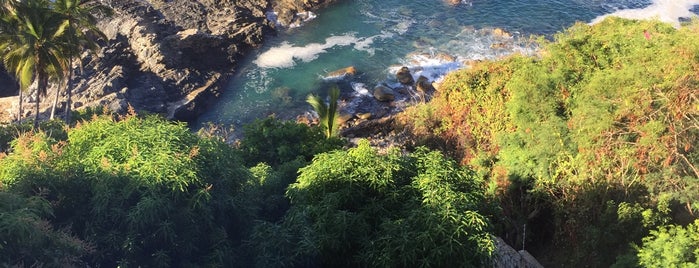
<point x="36" y="111"/>
<point x="19" y="113"/>
<point x="55" y="102"/>
<point x="69" y="90"/>
<point x="41" y="87"/>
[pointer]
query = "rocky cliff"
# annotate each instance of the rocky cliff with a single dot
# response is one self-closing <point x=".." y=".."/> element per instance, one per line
<point x="172" y="57"/>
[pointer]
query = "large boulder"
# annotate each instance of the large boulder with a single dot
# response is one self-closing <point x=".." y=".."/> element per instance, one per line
<point x="424" y="85"/>
<point x="405" y="77"/>
<point x="384" y="93"/>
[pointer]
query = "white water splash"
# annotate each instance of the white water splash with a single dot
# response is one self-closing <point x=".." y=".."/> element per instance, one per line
<point x="360" y="89"/>
<point x="669" y="11"/>
<point x="434" y="69"/>
<point x="286" y="55"/>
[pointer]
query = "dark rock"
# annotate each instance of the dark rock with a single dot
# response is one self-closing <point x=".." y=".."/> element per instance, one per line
<point x="292" y="11"/>
<point x="171" y="57"/>
<point x="8" y="85"/>
<point x="165" y="53"/>
<point x="506" y="256"/>
<point x="424" y="85"/>
<point x="383" y="93"/>
<point x="404" y="76"/>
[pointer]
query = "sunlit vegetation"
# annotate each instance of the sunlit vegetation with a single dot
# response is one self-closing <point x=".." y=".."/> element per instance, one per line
<point x="598" y="134"/>
<point x="139" y="191"/>
<point x="584" y="154"/>
<point x="327" y="113"/>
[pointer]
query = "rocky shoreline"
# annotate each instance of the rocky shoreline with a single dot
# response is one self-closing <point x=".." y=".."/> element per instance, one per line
<point x="170" y="57"/>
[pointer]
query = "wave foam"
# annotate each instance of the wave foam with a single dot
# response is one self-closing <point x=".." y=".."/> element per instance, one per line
<point x="286" y="55"/>
<point x="669" y="11"/>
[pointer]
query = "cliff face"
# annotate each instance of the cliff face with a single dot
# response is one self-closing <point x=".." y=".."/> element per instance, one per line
<point x="171" y="57"/>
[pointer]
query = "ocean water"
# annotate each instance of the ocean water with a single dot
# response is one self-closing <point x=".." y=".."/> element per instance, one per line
<point x="377" y="37"/>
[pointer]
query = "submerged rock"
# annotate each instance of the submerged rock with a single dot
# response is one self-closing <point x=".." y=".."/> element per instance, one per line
<point x="342" y="73"/>
<point x="501" y="33"/>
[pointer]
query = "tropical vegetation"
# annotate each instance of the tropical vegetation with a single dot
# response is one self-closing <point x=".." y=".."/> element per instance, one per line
<point x="327" y="113"/>
<point x="590" y="144"/>
<point x="584" y="154"/>
<point x="39" y="40"/>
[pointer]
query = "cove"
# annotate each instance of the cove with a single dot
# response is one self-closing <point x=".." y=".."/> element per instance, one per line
<point x="379" y="36"/>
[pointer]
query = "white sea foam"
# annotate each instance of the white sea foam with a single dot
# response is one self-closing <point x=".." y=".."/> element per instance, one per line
<point x="305" y="16"/>
<point x="360" y="89"/>
<point x="669" y="11"/>
<point x="286" y="55"/>
<point x="428" y="66"/>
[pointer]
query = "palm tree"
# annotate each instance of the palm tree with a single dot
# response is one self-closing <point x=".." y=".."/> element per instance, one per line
<point x="33" y="47"/>
<point x="80" y="32"/>
<point x="6" y="26"/>
<point x="327" y="113"/>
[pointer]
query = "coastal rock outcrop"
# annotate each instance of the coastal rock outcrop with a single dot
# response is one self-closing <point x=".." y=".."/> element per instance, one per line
<point x="293" y="12"/>
<point x="171" y="57"/>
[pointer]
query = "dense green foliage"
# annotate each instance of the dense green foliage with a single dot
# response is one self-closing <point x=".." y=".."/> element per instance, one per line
<point x="144" y="191"/>
<point x="275" y="150"/>
<point x="27" y="239"/>
<point x="54" y="129"/>
<point x="276" y="142"/>
<point x="601" y="128"/>
<point x="588" y="149"/>
<point x="358" y="208"/>
<point x="671" y="246"/>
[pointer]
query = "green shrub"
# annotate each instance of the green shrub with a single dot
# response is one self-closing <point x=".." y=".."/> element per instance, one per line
<point x="147" y="192"/>
<point x="671" y="246"/>
<point x="275" y="142"/>
<point x="54" y="128"/>
<point x="27" y="239"/>
<point x="359" y="208"/>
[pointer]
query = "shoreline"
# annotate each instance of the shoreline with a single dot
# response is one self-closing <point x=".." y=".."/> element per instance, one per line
<point x="172" y="58"/>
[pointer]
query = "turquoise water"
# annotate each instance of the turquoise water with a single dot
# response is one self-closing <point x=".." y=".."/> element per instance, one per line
<point x="379" y="36"/>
